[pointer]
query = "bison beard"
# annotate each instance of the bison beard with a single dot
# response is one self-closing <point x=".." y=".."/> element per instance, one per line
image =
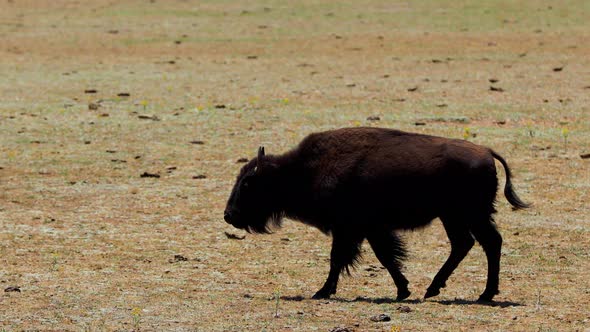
<point x="369" y="183"/>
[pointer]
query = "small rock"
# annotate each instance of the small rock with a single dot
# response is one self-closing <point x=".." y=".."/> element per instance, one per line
<point x="381" y="318"/>
<point x="200" y="176"/>
<point x="374" y="118"/>
<point x="232" y="236"/>
<point x="197" y="142"/>
<point x="493" y="88"/>
<point x="419" y="123"/>
<point x="248" y="296"/>
<point x="541" y="148"/>
<point x="220" y="106"/>
<point x="123" y="94"/>
<point x="178" y="258"/>
<point x="404" y="309"/>
<point x="585" y="155"/>
<point x="341" y="329"/>
<point x="494" y="80"/>
<point x="252" y="57"/>
<point x="12" y="289"/>
<point x="148" y="117"/>
<point x="149" y="175"/>
<point x="90" y="91"/>
<point x="413" y="89"/>
<point x="558" y="69"/>
<point x="242" y="160"/>
<point x="93" y="106"/>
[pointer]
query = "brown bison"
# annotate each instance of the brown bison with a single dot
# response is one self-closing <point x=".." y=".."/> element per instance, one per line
<point x="369" y="183"/>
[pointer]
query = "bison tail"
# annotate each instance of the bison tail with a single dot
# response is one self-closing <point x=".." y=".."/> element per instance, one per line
<point x="511" y="196"/>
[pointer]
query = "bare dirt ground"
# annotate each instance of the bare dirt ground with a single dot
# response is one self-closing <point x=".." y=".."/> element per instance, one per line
<point x="88" y="244"/>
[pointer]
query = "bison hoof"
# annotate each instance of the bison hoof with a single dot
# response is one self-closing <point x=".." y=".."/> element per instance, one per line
<point x="402" y="294"/>
<point x="322" y="294"/>
<point x="486" y="297"/>
<point x="430" y="292"/>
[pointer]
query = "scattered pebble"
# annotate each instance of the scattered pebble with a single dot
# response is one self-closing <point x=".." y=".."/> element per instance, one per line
<point x="12" y="289"/>
<point x="242" y="160"/>
<point x="234" y="236"/>
<point x="199" y="177"/>
<point x="341" y="329"/>
<point x="178" y="258"/>
<point x="373" y="118"/>
<point x="149" y="175"/>
<point x="381" y="318"/>
<point x="148" y="117"/>
<point x="404" y="309"/>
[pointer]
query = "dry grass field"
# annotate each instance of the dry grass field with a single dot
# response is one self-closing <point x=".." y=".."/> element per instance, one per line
<point x="93" y="94"/>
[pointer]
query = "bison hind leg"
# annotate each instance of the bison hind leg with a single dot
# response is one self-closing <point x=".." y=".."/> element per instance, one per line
<point x="390" y="251"/>
<point x="490" y="239"/>
<point x="461" y="242"/>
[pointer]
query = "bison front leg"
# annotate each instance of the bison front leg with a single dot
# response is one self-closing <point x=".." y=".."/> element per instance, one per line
<point x="345" y="252"/>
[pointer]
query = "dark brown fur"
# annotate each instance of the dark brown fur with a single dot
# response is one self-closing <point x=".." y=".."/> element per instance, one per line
<point x="369" y="183"/>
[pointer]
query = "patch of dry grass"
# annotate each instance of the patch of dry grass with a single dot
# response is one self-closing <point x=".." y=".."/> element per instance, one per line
<point x="92" y="245"/>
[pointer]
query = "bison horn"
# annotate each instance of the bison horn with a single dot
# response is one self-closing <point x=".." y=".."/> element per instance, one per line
<point x="260" y="156"/>
<point x="260" y="152"/>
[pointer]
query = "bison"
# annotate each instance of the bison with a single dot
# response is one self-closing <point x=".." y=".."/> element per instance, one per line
<point x="370" y="183"/>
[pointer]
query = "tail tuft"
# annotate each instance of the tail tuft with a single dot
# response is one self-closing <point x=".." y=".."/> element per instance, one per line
<point x="509" y="192"/>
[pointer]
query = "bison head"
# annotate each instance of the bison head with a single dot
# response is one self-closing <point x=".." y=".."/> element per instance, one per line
<point x="252" y="205"/>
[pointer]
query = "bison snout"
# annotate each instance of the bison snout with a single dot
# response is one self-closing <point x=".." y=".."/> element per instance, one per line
<point x="227" y="216"/>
